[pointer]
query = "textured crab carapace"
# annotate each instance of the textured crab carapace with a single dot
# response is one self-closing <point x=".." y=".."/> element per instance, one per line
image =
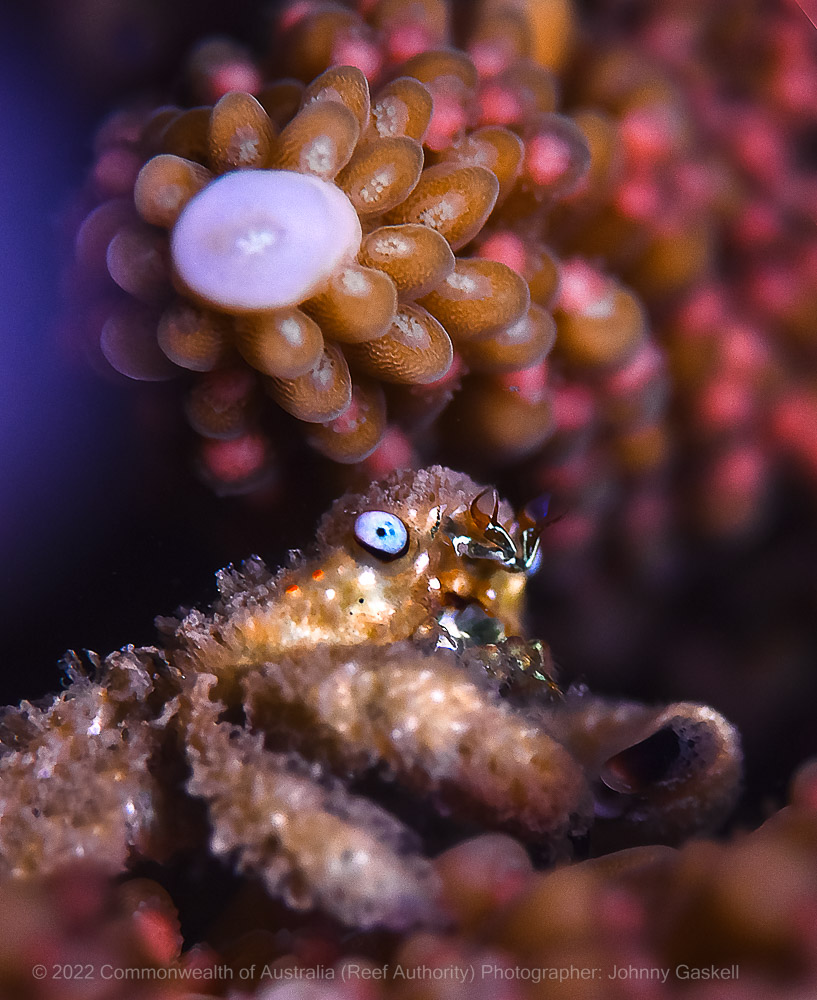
<point x="337" y="715"/>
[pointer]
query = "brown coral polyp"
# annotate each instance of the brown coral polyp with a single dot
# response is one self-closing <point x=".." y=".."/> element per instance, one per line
<point x="402" y="107"/>
<point x="415" y="257"/>
<point x="240" y="134"/>
<point x="285" y="343"/>
<point x="455" y="201"/>
<point x="415" y="350"/>
<point x="319" y="140"/>
<point x="600" y="323"/>
<point x="556" y="154"/>
<point x="356" y="433"/>
<point x="480" y="297"/>
<point x="498" y="149"/>
<point x="516" y="346"/>
<point x="222" y="405"/>
<point x="128" y="343"/>
<point x="381" y="174"/>
<point x="164" y="186"/>
<point x="320" y="394"/>
<point x="193" y="338"/>
<point x="357" y="305"/>
<point x="508" y="416"/>
<point x="137" y="262"/>
<point x="345" y="85"/>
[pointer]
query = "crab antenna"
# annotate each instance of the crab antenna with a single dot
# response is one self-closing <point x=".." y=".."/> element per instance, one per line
<point x="481" y="519"/>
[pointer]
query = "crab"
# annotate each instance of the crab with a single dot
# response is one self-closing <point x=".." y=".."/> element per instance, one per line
<point x="347" y="716"/>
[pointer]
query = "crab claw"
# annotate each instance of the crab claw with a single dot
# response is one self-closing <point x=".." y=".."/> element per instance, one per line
<point x="659" y="774"/>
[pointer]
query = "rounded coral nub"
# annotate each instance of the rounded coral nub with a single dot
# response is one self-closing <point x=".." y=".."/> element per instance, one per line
<point x="192" y="338"/>
<point x="478" y="298"/>
<point x="500" y="419"/>
<point x="402" y="107"/>
<point x="603" y="334"/>
<point x="357" y="432"/>
<point x="416" y="349"/>
<point x="520" y="345"/>
<point x="240" y="134"/>
<point x="454" y="200"/>
<point x="319" y="140"/>
<point x="259" y="240"/>
<point x="381" y="174"/>
<point x="164" y="186"/>
<point x="346" y="85"/>
<point x="358" y="304"/>
<point x="128" y="343"/>
<point x="321" y="394"/>
<point x="285" y="343"/>
<point x="415" y="257"/>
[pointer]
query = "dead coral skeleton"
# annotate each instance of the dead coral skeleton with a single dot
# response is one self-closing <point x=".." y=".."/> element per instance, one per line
<point x="387" y="660"/>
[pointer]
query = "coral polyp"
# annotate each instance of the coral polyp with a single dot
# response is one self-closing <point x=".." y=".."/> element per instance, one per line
<point x="262" y="240"/>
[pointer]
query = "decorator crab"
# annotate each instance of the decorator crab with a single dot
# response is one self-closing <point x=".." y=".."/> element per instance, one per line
<point x="345" y="717"/>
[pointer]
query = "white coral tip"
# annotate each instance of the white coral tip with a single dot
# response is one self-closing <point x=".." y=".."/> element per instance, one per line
<point x="256" y="240"/>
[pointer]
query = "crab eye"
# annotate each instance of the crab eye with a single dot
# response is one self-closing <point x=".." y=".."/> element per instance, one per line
<point x="382" y="534"/>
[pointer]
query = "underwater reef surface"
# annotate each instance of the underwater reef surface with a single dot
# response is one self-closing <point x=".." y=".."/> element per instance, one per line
<point x="361" y="738"/>
<point x="679" y="567"/>
<point x="705" y="921"/>
<point x="328" y="730"/>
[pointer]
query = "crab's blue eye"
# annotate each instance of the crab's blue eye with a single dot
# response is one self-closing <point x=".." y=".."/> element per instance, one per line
<point x="381" y="533"/>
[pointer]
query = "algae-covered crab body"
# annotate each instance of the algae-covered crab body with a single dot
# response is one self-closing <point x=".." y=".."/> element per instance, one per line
<point x="366" y="658"/>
